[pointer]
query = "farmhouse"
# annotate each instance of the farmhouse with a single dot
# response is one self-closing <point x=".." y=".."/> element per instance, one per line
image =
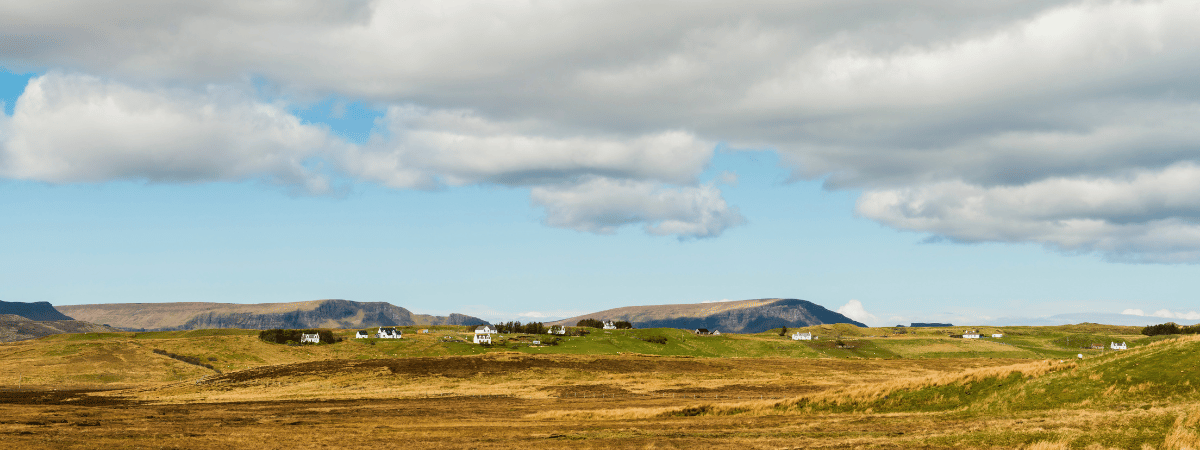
<point x="361" y="335"/>
<point x="1116" y="346"/>
<point x="310" y="338"/>
<point x="483" y="334"/>
<point x="609" y="325"/>
<point x="798" y="336"/>
<point x="701" y="332"/>
<point x="972" y="334"/>
<point x="558" y="329"/>
<point x="388" y="333"/>
<point x="997" y="335"/>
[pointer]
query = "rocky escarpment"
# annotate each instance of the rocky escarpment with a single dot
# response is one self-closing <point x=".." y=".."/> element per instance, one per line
<point x="17" y="328"/>
<point x="746" y="316"/>
<point x="311" y="314"/>
<point x="32" y="311"/>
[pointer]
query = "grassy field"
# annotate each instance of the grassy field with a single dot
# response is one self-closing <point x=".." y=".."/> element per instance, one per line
<point x="851" y="388"/>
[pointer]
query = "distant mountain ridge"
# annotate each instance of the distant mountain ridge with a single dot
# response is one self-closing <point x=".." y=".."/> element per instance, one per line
<point x="332" y="313"/>
<point x="39" y="311"/>
<point x="744" y="316"/>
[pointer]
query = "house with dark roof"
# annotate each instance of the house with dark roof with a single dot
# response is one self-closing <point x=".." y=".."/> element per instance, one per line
<point x="389" y="333"/>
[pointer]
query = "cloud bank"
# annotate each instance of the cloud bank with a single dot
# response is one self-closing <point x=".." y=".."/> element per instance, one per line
<point x="854" y="310"/>
<point x="1069" y="124"/>
<point x="1166" y="314"/>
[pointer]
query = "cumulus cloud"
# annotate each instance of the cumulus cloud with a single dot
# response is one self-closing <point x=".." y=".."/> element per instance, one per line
<point x="854" y="310"/>
<point x="602" y="205"/>
<point x="431" y="147"/>
<point x="1067" y="123"/>
<point x="1146" y="215"/>
<point x="72" y="128"/>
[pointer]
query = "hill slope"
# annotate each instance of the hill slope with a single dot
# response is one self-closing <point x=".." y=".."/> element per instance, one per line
<point x="309" y="314"/>
<point x="745" y="316"/>
<point x="32" y="311"/>
<point x="17" y="328"/>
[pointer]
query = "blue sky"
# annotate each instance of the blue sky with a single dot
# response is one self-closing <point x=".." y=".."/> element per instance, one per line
<point x="925" y="171"/>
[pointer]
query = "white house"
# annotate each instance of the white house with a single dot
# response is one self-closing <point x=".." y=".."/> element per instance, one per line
<point x="361" y="335"/>
<point x="558" y="329"/>
<point x="701" y="332"/>
<point x="423" y="331"/>
<point x="310" y="338"/>
<point x="716" y="333"/>
<point x="388" y="333"/>
<point x="970" y="334"/>
<point x="483" y="334"/>
<point x="1116" y="346"/>
<point x="609" y="325"/>
<point x="997" y="335"/>
<point x="798" y="336"/>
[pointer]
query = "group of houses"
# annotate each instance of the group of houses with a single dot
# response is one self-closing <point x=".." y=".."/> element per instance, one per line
<point x="383" y="333"/>
<point x="974" y="334"/>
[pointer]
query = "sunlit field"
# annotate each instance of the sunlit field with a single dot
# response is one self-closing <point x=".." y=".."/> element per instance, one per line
<point x="851" y="388"/>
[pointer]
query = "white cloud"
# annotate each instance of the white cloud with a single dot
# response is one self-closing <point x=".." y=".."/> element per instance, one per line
<point x="1145" y="216"/>
<point x="601" y="205"/>
<point x="425" y="147"/>
<point x="854" y="310"/>
<point x="72" y="128"/>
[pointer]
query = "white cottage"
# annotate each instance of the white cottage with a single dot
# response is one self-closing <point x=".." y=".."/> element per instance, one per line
<point x="389" y="333"/>
<point x="483" y="334"/>
<point x="558" y="329"/>
<point x="970" y="335"/>
<point x="609" y="325"/>
<point x="798" y="336"/>
<point x="310" y="338"/>
<point x="997" y="335"/>
<point x="361" y="335"/>
<point x="1116" y="346"/>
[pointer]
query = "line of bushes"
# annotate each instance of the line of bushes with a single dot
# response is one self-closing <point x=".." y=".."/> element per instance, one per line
<point x="1170" y="328"/>
<point x="654" y="339"/>
<point x="188" y="359"/>
<point x="620" y="324"/>
<point x="292" y="337"/>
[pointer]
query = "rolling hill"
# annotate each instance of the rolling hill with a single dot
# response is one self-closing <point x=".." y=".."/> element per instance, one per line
<point x="745" y="316"/>
<point x="308" y="314"/>
<point x="18" y="328"/>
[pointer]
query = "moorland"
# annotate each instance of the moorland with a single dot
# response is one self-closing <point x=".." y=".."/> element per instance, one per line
<point x="645" y="388"/>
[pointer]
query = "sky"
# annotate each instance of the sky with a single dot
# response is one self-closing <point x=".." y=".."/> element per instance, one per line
<point x="898" y="162"/>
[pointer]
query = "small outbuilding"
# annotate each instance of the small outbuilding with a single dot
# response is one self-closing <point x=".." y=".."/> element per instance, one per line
<point x="361" y="335"/>
<point x="1116" y="346"/>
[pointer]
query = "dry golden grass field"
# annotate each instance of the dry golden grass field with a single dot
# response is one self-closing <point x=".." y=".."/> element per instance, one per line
<point x="925" y="391"/>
